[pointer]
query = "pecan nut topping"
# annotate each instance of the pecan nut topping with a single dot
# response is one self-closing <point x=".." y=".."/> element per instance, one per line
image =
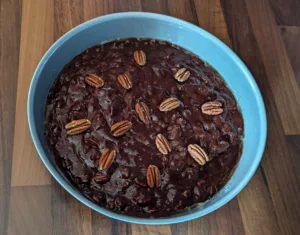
<point x="182" y="75"/>
<point x="120" y="128"/>
<point x="198" y="154"/>
<point x="94" y="80"/>
<point x="169" y="104"/>
<point x="106" y="159"/>
<point x="77" y="126"/>
<point x="143" y="112"/>
<point x="212" y="108"/>
<point x="140" y="57"/>
<point x="153" y="176"/>
<point x="125" y="80"/>
<point x="162" y="144"/>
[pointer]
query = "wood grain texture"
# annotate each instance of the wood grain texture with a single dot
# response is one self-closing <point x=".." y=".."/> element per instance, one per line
<point x="285" y="91"/>
<point x="10" y="21"/>
<point x="211" y="18"/>
<point x="291" y="39"/>
<point x="68" y="214"/>
<point x="286" y="12"/>
<point x="102" y="225"/>
<point x="155" y="6"/>
<point x="67" y="15"/>
<point x="137" y="229"/>
<point x="278" y="167"/>
<point x="3" y="209"/>
<point x="293" y="142"/>
<point x="183" y="9"/>
<point x="257" y="208"/>
<point x="30" y="211"/>
<point x="92" y="9"/>
<point x="262" y="35"/>
<point x="226" y="221"/>
<point x="32" y="47"/>
<point x="283" y="196"/>
<point x="119" y="227"/>
<point x="180" y="229"/>
<point x="128" y="5"/>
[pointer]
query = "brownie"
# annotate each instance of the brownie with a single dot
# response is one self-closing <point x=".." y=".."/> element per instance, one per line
<point x="143" y="127"/>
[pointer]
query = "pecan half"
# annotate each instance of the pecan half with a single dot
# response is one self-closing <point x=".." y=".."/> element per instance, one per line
<point x="143" y="112"/>
<point x="169" y="104"/>
<point x="120" y="128"/>
<point x="140" y="57"/>
<point x="77" y="126"/>
<point x="162" y="144"/>
<point x="182" y="75"/>
<point x="153" y="176"/>
<point x="125" y="80"/>
<point x="106" y="159"/>
<point x="94" y="80"/>
<point x="212" y="108"/>
<point x="198" y="154"/>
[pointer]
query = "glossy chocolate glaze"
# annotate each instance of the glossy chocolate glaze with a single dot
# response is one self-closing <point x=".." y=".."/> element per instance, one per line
<point x="184" y="182"/>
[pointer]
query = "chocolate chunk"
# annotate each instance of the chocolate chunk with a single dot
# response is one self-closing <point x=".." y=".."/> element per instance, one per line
<point x="99" y="197"/>
<point x="101" y="178"/>
<point x="126" y="184"/>
<point x="110" y="205"/>
<point x="141" y="182"/>
<point x="120" y="203"/>
<point x="125" y="172"/>
<point x="174" y="132"/>
<point x="144" y="200"/>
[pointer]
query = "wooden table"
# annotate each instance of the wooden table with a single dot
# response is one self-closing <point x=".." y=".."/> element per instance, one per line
<point x="264" y="33"/>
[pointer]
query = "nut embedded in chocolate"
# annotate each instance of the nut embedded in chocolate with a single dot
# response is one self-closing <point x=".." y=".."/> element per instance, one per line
<point x="182" y="75"/>
<point x="107" y="158"/>
<point x="169" y="104"/>
<point x="153" y="176"/>
<point x="140" y="57"/>
<point x="212" y="108"/>
<point x="186" y="194"/>
<point x="198" y="154"/>
<point x="94" y="80"/>
<point x="91" y="142"/>
<point x="141" y="182"/>
<point x="101" y="178"/>
<point x="125" y="80"/>
<point x="120" y="128"/>
<point x="77" y="126"/>
<point x="143" y="112"/>
<point x="162" y="144"/>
